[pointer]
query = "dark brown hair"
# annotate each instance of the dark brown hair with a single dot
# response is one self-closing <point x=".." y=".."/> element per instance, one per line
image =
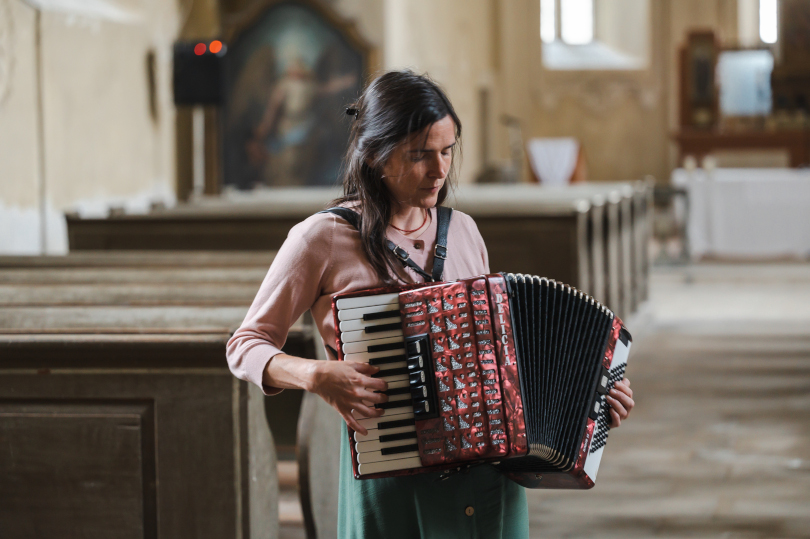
<point x="395" y="106"/>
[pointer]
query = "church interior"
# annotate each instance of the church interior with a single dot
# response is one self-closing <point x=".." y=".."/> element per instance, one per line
<point x="154" y="155"/>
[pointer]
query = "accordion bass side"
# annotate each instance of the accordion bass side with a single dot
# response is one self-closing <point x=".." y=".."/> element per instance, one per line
<point x="507" y="369"/>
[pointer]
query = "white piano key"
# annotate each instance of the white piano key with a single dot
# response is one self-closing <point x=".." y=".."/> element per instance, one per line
<point x="361" y="336"/>
<point x="376" y="445"/>
<point x="364" y="357"/>
<point x="398" y="409"/>
<point x="374" y="434"/>
<point x="368" y="301"/>
<point x="395" y="365"/>
<point x="394" y="378"/>
<point x="377" y="456"/>
<point x="358" y="324"/>
<point x="373" y="422"/>
<point x="387" y="366"/>
<point x="395" y="398"/>
<point x="354" y="314"/>
<point x="389" y="465"/>
<point x="363" y="346"/>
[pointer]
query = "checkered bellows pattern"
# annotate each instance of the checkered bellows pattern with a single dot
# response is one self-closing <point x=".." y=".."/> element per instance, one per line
<point x="603" y="422"/>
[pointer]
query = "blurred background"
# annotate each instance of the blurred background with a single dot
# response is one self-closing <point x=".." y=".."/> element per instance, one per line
<point x="154" y="154"/>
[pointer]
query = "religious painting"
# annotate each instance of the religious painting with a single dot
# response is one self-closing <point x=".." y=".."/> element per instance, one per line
<point x="291" y="75"/>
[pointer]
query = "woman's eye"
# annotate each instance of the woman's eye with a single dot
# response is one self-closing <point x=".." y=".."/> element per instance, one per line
<point x="417" y="157"/>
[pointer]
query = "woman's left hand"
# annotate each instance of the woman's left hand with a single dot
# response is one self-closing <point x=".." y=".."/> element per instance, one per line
<point x="621" y="402"/>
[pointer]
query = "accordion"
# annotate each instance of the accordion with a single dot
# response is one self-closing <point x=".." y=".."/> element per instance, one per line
<point x="508" y="369"/>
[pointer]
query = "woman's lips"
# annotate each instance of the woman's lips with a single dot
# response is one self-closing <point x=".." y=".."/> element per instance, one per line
<point x="433" y="189"/>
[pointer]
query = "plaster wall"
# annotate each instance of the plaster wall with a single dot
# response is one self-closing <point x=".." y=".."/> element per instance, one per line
<point x="623" y="118"/>
<point x="450" y="40"/>
<point x="98" y="140"/>
<point x="369" y="17"/>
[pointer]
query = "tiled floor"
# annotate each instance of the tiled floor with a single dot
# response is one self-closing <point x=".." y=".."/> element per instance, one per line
<point x="718" y="443"/>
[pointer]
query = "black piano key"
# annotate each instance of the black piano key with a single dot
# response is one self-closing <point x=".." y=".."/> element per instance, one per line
<point x="383" y="327"/>
<point x="399" y="436"/>
<point x="384" y="347"/>
<point x="395" y="424"/>
<point x="393" y="404"/>
<point x="391" y="372"/>
<point x="387" y="359"/>
<point x="381" y="315"/>
<point x="399" y="449"/>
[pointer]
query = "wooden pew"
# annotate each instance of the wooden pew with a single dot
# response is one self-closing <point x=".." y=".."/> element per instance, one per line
<point x="526" y="225"/>
<point x="627" y="230"/>
<point x="528" y="232"/>
<point x="117" y="409"/>
<point x="257" y="222"/>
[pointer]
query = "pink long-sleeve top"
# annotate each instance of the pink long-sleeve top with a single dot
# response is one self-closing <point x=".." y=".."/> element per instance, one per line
<point x="322" y="256"/>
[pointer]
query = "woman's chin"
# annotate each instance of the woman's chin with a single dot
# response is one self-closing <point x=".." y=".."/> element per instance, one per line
<point x="428" y="201"/>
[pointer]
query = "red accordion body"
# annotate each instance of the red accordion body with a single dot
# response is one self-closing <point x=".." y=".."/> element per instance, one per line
<point x="453" y="357"/>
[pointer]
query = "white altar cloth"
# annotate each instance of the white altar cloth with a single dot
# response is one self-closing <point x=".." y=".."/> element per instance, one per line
<point x="747" y="213"/>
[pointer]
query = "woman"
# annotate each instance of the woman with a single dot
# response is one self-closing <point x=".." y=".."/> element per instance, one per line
<point x="399" y="162"/>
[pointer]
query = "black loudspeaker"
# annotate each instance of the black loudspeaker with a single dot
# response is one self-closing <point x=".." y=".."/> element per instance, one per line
<point x="199" y="72"/>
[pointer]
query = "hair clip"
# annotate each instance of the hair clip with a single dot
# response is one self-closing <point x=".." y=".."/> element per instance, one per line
<point x="351" y="111"/>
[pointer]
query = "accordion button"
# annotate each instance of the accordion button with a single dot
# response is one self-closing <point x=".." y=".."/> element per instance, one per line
<point x="421" y="407"/>
<point x="415" y="363"/>
<point x="469" y="511"/>
<point x="417" y="378"/>
<point x="419" y="392"/>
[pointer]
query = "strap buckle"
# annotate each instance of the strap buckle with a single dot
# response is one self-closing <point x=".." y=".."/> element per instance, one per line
<point x="440" y="251"/>
<point x="401" y="253"/>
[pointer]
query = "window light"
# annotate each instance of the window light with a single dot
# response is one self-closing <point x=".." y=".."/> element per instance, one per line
<point x="576" y="21"/>
<point x="767" y="21"/>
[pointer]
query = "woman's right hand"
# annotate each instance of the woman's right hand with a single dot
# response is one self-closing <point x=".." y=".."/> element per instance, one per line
<point x="348" y="386"/>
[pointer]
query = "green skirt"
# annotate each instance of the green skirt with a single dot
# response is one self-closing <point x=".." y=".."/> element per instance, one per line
<point x="479" y="503"/>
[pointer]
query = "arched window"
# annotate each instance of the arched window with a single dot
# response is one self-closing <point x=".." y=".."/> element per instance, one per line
<point x="594" y="34"/>
<point x="571" y="20"/>
<point x="767" y="21"/>
<point x="757" y="22"/>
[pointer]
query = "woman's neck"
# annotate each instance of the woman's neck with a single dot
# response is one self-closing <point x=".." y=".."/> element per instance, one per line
<point x="409" y="218"/>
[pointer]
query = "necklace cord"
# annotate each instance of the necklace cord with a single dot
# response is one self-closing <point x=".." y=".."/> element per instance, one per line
<point x="406" y="232"/>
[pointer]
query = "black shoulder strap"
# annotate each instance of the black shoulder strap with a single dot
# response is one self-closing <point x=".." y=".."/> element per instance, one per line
<point x="439" y="252"/>
<point x="351" y="216"/>
<point x="405" y="258"/>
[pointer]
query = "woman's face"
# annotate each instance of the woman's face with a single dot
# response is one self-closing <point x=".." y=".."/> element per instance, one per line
<point x="418" y="167"/>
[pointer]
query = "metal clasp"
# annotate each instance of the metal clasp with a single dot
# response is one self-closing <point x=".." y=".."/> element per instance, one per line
<point x="440" y="254"/>
<point x="401" y="253"/>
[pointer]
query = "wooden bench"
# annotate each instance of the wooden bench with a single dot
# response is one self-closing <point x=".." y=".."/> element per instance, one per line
<point x="530" y="229"/>
<point x="117" y="409"/>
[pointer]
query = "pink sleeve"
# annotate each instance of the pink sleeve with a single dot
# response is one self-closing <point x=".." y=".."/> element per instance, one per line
<point x="291" y="286"/>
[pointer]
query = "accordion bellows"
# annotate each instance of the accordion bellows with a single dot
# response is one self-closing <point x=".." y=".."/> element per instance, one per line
<point x="507" y="369"/>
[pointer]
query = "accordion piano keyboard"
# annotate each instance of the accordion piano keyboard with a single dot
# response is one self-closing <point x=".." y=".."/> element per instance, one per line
<point x="370" y="333"/>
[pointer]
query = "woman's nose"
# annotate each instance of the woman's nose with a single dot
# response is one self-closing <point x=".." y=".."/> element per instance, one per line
<point x="439" y="166"/>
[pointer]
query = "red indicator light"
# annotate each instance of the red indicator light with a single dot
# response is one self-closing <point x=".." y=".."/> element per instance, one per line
<point x="215" y="46"/>
<point x="199" y="49"/>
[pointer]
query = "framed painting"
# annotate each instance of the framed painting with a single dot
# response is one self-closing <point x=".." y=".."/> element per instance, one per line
<point x="294" y="67"/>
